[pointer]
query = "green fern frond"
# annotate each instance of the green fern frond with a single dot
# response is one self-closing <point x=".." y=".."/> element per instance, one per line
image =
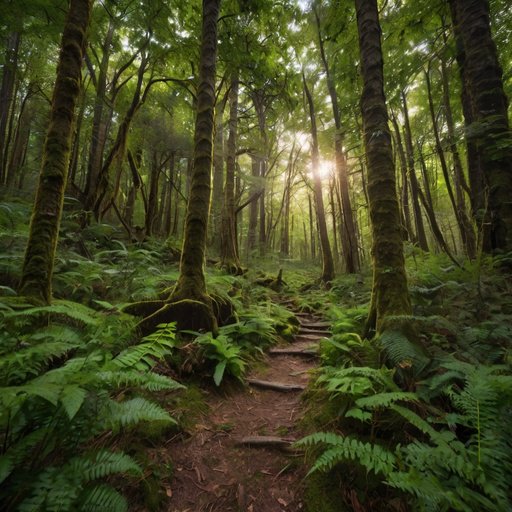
<point x="371" y="456"/>
<point x="102" y="464"/>
<point x="401" y="352"/>
<point x="132" y="412"/>
<point x="102" y="498"/>
<point x="73" y="310"/>
<point x="386" y="399"/>
<point x="134" y="378"/>
<point x="30" y="361"/>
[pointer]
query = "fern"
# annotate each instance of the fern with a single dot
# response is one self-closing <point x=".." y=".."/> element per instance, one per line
<point x="57" y="395"/>
<point x="401" y="352"/>
<point x="372" y="456"/>
<point x="102" y="497"/>
<point x="132" y="412"/>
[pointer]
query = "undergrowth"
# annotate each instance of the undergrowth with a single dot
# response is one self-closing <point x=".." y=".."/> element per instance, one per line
<point x="424" y="425"/>
<point x="73" y="382"/>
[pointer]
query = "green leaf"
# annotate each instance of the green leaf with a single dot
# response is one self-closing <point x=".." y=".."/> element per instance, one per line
<point x="219" y="372"/>
<point x="72" y="399"/>
<point x="358" y="414"/>
<point x="6" y="467"/>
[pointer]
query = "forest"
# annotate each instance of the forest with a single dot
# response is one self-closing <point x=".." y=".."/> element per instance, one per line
<point x="255" y="255"/>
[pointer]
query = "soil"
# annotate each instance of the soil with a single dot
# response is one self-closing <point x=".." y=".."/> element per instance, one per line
<point x="218" y="468"/>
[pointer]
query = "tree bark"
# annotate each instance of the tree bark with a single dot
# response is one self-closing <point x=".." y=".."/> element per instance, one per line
<point x="7" y="96"/>
<point x="489" y="131"/>
<point x="390" y="295"/>
<point x="229" y="245"/>
<point x="190" y="289"/>
<point x="44" y="226"/>
<point x="327" y="259"/>
<point x="413" y="180"/>
<point x="99" y="124"/>
<point x="404" y="195"/>
<point x="458" y="205"/>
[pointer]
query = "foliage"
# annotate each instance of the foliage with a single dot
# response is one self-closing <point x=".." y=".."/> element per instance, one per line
<point x="69" y="376"/>
<point x="441" y="470"/>
<point x="434" y="425"/>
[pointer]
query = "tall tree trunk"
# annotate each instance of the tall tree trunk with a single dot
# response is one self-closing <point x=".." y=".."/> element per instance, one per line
<point x="44" y="226"/>
<point x="7" y="96"/>
<point x="390" y="295"/>
<point x="99" y="124"/>
<point x="154" y="176"/>
<point x="490" y="131"/>
<point x="463" y="222"/>
<point x="460" y="185"/>
<point x="312" y="230"/>
<point x="229" y="245"/>
<point x="105" y="191"/>
<point x="348" y="231"/>
<point x="328" y="263"/>
<point x="253" y="207"/>
<point x="404" y="193"/>
<point x="193" y="305"/>
<point x="20" y="141"/>
<point x="428" y="205"/>
<point x="409" y="150"/>
<point x="218" y="176"/>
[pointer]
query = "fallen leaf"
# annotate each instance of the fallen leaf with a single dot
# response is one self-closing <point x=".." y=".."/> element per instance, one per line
<point x="282" y="502"/>
<point x="168" y="491"/>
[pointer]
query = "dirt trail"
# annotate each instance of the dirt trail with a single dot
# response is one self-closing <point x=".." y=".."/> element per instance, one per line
<point x="237" y="458"/>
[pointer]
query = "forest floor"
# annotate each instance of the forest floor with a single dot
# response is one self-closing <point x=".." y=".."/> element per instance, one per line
<point x="238" y="455"/>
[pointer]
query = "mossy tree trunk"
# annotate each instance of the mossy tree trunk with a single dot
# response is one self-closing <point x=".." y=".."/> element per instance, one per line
<point x="228" y="239"/>
<point x="7" y="96"/>
<point x="44" y="225"/>
<point x="191" y="285"/>
<point x="489" y="131"/>
<point x="327" y="260"/>
<point x="390" y="295"/>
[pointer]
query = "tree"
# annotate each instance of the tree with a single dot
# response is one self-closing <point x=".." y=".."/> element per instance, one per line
<point x="44" y="226"/>
<point x="228" y="245"/>
<point x="348" y="228"/>
<point x="389" y="295"/>
<point x="327" y="260"/>
<point x="189" y="303"/>
<point x="488" y="130"/>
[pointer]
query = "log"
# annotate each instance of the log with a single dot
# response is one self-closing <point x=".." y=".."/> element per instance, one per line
<point x="305" y="330"/>
<point x="294" y="352"/>
<point x="265" y="441"/>
<point x="315" y="325"/>
<point x="276" y="386"/>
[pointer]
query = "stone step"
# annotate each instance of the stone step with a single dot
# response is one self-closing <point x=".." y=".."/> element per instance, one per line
<point x="276" y="386"/>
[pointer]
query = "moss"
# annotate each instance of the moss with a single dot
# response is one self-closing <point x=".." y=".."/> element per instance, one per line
<point x="189" y="406"/>
<point x="44" y="225"/>
<point x="188" y="314"/>
<point x="143" y="308"/>
<point x="223" y="309"/>
<point x="322" y="495"/>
